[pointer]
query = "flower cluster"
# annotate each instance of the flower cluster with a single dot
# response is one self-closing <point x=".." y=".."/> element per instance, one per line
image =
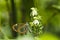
<point x="35" y="23"/>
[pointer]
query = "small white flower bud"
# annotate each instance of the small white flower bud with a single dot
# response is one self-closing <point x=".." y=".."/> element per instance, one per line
<point x="34" y="17"/>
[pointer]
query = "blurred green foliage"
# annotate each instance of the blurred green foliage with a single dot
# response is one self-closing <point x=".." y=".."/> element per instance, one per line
<point x="48" y="9"/>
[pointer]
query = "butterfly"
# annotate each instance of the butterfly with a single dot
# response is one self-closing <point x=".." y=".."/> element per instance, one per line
<point x="21" y="28"/>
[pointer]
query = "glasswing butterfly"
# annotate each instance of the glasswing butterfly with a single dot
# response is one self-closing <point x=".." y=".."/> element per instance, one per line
<point x="21" y="28"/>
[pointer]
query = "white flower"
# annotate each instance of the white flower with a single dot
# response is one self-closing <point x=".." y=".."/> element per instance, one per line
<point x="36" y="22"/>
<point x="34" y="12"/>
